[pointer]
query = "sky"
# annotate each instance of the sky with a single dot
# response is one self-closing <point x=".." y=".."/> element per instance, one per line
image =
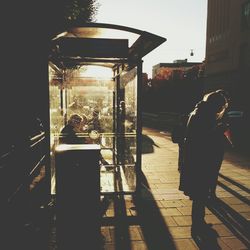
<point x="181" y="22"/>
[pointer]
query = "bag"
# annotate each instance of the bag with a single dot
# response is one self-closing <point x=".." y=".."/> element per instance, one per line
<point x="177" y="134"/>
<point x="179" y="130"/>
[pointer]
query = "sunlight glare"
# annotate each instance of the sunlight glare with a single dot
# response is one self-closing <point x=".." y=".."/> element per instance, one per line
<point x="95" y="71"/>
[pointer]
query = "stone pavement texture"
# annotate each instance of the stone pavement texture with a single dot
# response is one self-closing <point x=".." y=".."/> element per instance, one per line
<point x="161" y="217"/>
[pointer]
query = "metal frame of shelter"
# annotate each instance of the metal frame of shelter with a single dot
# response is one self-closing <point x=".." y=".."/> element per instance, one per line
<point x="117" y="47"/>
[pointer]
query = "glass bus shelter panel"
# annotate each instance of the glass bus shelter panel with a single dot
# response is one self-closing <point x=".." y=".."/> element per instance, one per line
<point x="120" y="179"/>
<point x="111" y="115"/>
<point x="79" y="91"/>
<point x="128" y="107"/>
<point x="56" y="117"/>
<point x="56" y="110"/>
<point x="125" y="171"/>
<point x="92" y="97"/>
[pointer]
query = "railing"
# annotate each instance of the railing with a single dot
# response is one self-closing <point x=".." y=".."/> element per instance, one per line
<point x="25" y="213"/>
<point x="161" y="120"/>
<point x="20" y="164"/>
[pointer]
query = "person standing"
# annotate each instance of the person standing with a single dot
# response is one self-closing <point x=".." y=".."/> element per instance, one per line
<point x="201" y="155"/>
<point x="178" y="136"/>
<point x="222" y="125"/>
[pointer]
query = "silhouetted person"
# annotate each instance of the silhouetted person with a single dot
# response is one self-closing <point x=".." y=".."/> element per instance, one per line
<point x="202" y="155"/>
<point x="178" y="136"/>
<point x="221" y="126"/>
<point x="71" y="132"/>
<point x="94" y="122"/>
<point x="94" y="127"/>
<point x="75" y="105"/>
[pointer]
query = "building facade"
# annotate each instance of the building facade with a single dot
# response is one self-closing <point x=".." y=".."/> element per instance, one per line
<point x="179" y="69"/>
<point x="228" y="49"/>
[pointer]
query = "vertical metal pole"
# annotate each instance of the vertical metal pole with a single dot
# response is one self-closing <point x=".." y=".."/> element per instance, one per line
<point x="118" y="118"/>
<point x="139" y="126"/>
<point x="47" y="131"/>
<point x="114" y="130"/>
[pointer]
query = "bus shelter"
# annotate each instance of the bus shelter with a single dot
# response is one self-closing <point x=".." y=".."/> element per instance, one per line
<point x="95" y="70"/>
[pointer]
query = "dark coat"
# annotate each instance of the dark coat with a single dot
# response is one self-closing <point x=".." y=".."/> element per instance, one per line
<point x="203" y="152"/>
<point x="69" y="136"/>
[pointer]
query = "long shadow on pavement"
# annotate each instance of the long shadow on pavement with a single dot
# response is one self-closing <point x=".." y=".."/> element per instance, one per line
<point x="155" y="232"/>
<point x="207" y="242"/>
<point x="120" y="221"/>
<point x="235" y="183"/>
<point x="154" y="228"/>
<point x="147" y="144"/>
<point x="233" y="220"/>
<point x="235" y="193"/>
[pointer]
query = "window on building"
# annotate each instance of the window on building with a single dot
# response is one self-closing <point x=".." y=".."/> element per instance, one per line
<point x="243" y="56"/>
<point x="245" y="16"/>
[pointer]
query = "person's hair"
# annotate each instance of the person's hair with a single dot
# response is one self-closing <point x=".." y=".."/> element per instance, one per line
<point x="75" y="119"/>
<point x="224" y="93"/>
<point x="216" y="100"/>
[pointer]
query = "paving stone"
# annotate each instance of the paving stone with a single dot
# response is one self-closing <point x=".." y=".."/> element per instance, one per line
<point x="223" y="194"/>
<point x="169" y="221"/>
<point x="169" y="211"/>
<point x="129" y="203"/>
<point x="234" y="243"/>
<point x="185" y="210"/>
<point x="138" y="245"/>
<point x="160" y="170"/>
<point x="173" y="203"/>
<point x="186" y="244"/>
<point x="166" y="190"/>
<point x="243" y="193"/>
<point x="222" y="230"/>
<point x="210" y="218"/>
<point x="246" y="215"/>
<point x="222" y="245"/>
<point x="155" y="181"/>
<point x="207" y="211"/>
<point x="110" y="213"/>
<point x="232" y="200"/>
<point x="141" y="233"/>
<point x="183" y="220"/>
<point x="112" y="233"/>
<point x="158" y="197"/>
<point x="241" y="208"/>
<point x="174" y="196"/>
<point x="106" y="234"/>
<point x="180" y="232"/>
<point x="133" y="211"/>
<point x="109" y="246"/>
<point x="159" y="204"/>
<point x="187" y="202"/>
<point x="134" y="233"/>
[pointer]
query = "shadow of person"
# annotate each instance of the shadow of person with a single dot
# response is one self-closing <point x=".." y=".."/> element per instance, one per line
<point x="206" y="240"/>
<point x="154" y="228"/>
<point x="234" y="221"/>
<point x="147" y="144"/>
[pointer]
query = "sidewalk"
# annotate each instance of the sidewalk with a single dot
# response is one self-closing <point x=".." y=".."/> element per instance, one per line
<point x="161" y="217"/>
